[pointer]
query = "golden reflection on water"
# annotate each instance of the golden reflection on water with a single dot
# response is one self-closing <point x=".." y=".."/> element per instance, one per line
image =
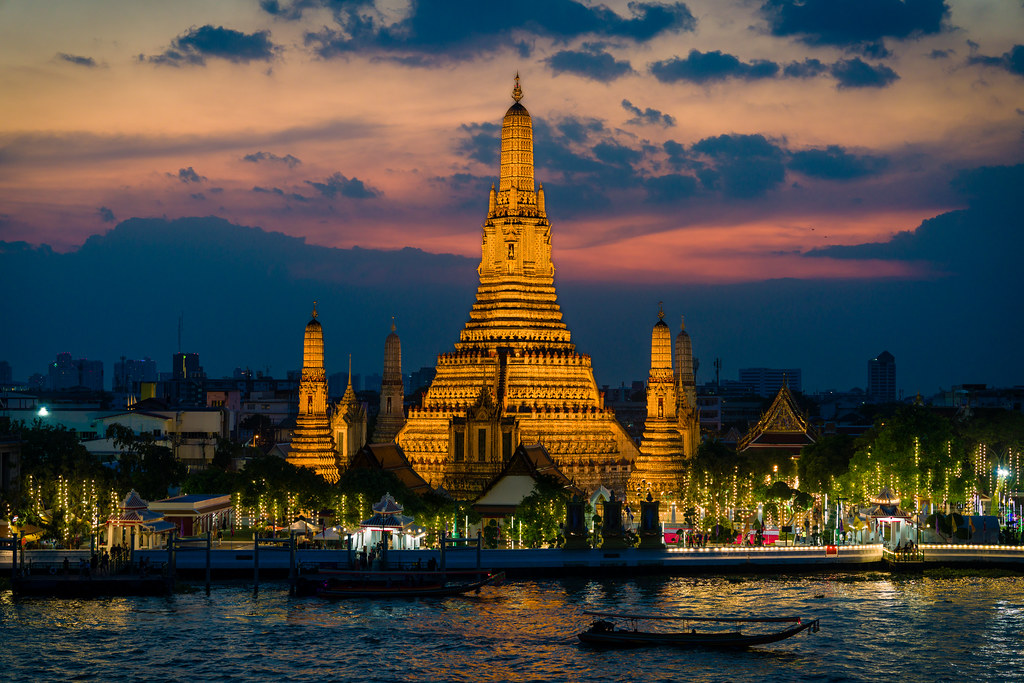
<point x="872" y="625"/>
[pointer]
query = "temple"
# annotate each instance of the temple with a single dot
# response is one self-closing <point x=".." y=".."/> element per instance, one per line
<point x="348" y="423"/>
<point x="781" y="427"/>
<point x="312" y="445"/>
<point x="515" y="376"/>
<point x="391" y="416"/>
<point x="671" y="431"/>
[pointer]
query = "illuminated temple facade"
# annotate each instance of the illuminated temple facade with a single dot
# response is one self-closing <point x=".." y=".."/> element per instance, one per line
<point x="515" y="376"/>
<point x="671" y="430"/>
<point x="312" y="444"/>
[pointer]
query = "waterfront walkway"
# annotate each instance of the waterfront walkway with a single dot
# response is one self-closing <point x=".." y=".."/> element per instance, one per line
<point x="238" y="561"/>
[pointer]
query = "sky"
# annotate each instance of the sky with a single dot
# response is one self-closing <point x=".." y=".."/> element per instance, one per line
<point x="814" y="157"/>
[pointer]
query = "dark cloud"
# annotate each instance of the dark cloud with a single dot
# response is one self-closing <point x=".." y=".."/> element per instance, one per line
<point x="77" y="60"/>
<point x="479" y="144"/>
<point x="835" y="163"/>
<point x="855" y="24"/>
<point x="595" y="64"/>
<point x="1012" y="61"/>
<point x="280" y="193"/>
<point x="706" y="67"/>
<point x="648" y="116"/>
<point x="338" y="185"/>
<point x="439" y="30"/>
<point x="741" y="166"/>
<point x="287" y="159"/>
<point x="981" y="240"/>
<point x="670" y="188"/>
<point x="106" y="215"/>
<point x="855" y="73"/>
<point x="615" y="154"/>
<point x="809" y="68"/>
<point x="188" y="175"/>
<point x="197" y="44"/>
<point x="198" y="196"/>
<point x="940" y="54"/>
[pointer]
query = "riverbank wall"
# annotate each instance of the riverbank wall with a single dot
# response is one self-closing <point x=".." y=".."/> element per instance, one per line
<point x="238" y="561"/>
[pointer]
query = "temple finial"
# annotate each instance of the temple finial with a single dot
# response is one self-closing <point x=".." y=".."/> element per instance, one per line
<point x="392" y="323"/>
<point x="314" y="310"/>
<point x="517" y="92"/>
<point x="661" y="311"/>
<point x="349" y="372"/>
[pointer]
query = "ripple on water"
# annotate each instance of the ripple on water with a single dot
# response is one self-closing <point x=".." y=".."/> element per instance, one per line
<point x="872" y="626"/>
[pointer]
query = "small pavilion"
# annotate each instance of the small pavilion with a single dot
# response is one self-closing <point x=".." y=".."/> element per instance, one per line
<point x="388" y="521"/>
<point x="135" y="525"/>
<point x="886" y="519"/>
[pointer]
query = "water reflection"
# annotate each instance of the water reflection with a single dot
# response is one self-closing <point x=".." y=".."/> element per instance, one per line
<point x="873" y="627"/>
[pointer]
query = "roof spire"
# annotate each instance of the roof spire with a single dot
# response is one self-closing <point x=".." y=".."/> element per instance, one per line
<point x="349" y="374"/>
<point x="661" y="311"/>
<point x="392" y="323"/>
<point x="517" y="92"/>
<point x="314" y="310"/>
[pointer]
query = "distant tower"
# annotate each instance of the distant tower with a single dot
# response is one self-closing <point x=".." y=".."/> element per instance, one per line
<point x="312" y="445"/>
<point x="660" y="468"/>
<point x="882" y="378"/>
<point x="687" y="412"/>
<point x="391" y="417"/>
<point x="348" y="424"/>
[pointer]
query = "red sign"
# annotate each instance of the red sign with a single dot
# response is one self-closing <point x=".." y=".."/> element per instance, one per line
<point x="831" y="551"/>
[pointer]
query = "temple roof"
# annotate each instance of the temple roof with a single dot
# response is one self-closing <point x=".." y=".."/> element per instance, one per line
<point x="391" y="458"/>
<point x="782" y="426"/>
<point x="530" y="461"/>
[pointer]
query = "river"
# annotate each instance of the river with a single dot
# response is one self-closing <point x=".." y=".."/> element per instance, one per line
<point x="874" y="627"/>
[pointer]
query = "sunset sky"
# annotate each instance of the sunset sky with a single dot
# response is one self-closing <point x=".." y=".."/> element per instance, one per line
<point x="710" y="142"/>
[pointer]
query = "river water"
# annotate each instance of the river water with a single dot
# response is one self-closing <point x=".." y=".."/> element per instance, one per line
<point x="874" y="627"/>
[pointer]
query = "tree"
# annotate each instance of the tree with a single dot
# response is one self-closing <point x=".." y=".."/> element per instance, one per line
<point x="542" y="513"/>
<point x="145" y="465"/>
<point x="824" y="460"/>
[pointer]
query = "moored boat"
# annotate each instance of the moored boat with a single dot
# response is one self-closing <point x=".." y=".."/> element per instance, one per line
<point x="604" y="632"/>
<point x="395" y="584"/>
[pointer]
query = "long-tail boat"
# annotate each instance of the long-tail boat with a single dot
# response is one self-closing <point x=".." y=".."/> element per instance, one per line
<point x="604" y="631"/>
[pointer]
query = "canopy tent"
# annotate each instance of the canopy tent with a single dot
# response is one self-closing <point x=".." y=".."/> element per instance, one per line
<point x="327" y="535"/>
<point x="303" y="527"/>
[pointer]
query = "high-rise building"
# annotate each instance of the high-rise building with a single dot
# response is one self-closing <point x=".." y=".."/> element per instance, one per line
<point x="515" y="376"/>
<point x="128" y="373"/>
<point x="70" y="373"/>
<point x="186" y="366"/>
<point x="882" y="378"/>
<point x="766" y="382"/>
<point x="312" y="444"/>
<point x="391" y="416"/>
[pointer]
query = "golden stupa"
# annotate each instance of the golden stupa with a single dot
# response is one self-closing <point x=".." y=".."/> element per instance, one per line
<point x="312" y="444"/>
<point x="671" y="431"/>
<point x="515" y="376"/>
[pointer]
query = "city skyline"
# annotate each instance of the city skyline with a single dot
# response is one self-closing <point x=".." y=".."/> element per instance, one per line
<point x="806" y="189"/>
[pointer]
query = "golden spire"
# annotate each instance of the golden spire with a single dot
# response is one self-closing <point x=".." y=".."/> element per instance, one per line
<point x="517" y="92"/>
<point x="392" y="323"/>
<point x="661" y="310"/>
<point x="349" y="374"/>
<point x="314" y="310"/>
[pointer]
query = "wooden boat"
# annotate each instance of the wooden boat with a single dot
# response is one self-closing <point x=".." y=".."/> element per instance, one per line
<point x="395" y="584"/>
<point x="75" y="586"/>
<point x="605" y="633"/>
